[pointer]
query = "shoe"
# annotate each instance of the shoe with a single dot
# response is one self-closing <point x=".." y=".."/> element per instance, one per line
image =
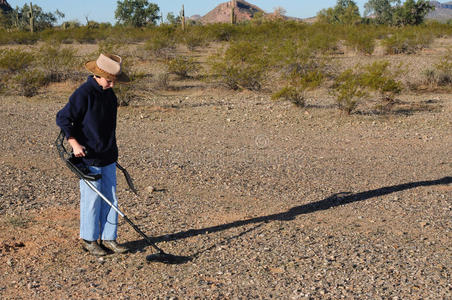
<point x="114" y="246"/>
<point x="93" y="248"/>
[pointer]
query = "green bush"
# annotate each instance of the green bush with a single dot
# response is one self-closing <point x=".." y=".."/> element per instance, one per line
<point x="161" y="44"/>
<point x="441" y="73"/>
<point x="182" y="66"/>
<point x="108" y="46"/>
<point x="407" y="40"/>
<point x="322" y="42"/>
<point x="14" y="60"/>
<point x="28" y="82"/>
<point x="348" y="90"/>
<point x="124" y="94"/>
<point x="241" y="66"/>
<point x="444" y="68"/>
<point x="306" y="75"/>
<point x="82" y="34"/>
<point x="299" y="68"/>
<point x="221" y="32"/>
<point x="380" y="78"/>
<point x="58" y="62"/>
<point x="18" y="37"/>
<point x="57" y="36"/>
<point x="360" y="40"/>
<point x="194" y="41"/>
<point x="291" y="94"/>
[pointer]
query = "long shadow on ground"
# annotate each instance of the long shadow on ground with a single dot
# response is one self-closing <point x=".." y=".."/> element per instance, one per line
<point x="332" y="201"/>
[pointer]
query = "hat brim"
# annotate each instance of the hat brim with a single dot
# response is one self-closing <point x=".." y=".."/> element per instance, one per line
<point x="93" y="68"/>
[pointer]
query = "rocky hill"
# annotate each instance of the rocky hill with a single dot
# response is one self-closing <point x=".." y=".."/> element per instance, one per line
<point x="442" y="12"/>
<point x="222" y="13"/>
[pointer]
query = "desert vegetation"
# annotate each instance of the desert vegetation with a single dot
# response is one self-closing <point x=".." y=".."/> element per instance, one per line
<point x="287" y="59"/>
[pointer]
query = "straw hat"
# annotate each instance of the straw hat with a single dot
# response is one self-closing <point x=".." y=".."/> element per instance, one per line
<point x="107" y="66"/>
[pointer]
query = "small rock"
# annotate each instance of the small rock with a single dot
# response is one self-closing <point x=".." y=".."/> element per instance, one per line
<point x="9" y="262"/>
<point x="423" y="224"/>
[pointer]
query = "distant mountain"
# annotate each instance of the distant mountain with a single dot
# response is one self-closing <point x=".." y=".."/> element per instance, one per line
<point x="195" y="17"/>
<point x="4" y="6"/>
<point x="243" y="11"/>
<point x="442" y="12"/>
<point x="222" y="13"/>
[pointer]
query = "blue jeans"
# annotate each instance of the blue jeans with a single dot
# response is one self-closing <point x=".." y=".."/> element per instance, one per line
<point x="97" y="218"/>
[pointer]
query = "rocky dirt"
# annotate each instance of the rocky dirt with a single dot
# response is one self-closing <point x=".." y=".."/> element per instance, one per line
<point x="269" y="201"/>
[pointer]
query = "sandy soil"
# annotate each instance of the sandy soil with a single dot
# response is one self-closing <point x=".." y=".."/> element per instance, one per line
<point x="268" y="200"/>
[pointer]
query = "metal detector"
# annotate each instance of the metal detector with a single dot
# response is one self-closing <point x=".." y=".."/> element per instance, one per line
<point x="75" y="164"/>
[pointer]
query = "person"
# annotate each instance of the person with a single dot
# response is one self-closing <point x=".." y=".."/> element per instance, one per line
<point x="88" y="121"/>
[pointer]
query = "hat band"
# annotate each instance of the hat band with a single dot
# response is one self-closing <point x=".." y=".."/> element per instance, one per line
<point x="109" y="74"/>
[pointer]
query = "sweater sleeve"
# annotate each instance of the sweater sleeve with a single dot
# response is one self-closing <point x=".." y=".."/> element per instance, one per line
<point x="71" y="115"/>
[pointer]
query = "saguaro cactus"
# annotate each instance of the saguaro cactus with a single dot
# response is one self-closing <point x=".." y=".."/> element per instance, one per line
<point x="233" y="16"/>
<point x="32" y="20"/>
<point x="182" y="17"/>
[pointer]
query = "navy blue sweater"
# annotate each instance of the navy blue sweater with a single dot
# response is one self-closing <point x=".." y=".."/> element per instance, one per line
<point x="90" y="117"/>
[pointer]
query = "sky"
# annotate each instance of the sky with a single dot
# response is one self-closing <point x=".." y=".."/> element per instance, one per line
<point x="104" y="10"/>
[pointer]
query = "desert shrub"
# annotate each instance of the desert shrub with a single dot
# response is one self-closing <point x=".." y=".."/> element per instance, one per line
<point x="291" y="94"/>
<point x="407" y="41"/>
<point x="439" y="29"/>
<point x="57" y="36"/>
<point x="108" y="46"/>
<point x="194" y="40"/>
<point x="160" y="46"/>
<point x="220" y="32"/>
<point x="441" y="73"/>
<point x="58" y="62"/>
<point x="81" y="34"/>
<point x="87" y="35"/>
<point x="242" y="65"/>
<point x="444" y="69"/>
<point x="124" y="94"/>
<point x="380" y="78"/>
<point x="18" y="37"/>
<point x="182" y="66"/>
<point x="14" y="60"/>
<point x="348" y="90"/>
<point x="162" y="81"/>
<point x="322" y="42"/>
<point x="28" y="82"/>
<point x="299" y="68"/>
<point x="301" y="77"/>
<point x="127" y="35"/>
<point x="361" y="40"/>
<point x="430" y="77"/>
<point x="161" y="43"/>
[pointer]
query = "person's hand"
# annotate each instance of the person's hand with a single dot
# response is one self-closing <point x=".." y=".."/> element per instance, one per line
<point x="77" y="149"/>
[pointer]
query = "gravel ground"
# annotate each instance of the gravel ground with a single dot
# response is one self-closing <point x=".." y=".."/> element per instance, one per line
<point x="269" y="201"/>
